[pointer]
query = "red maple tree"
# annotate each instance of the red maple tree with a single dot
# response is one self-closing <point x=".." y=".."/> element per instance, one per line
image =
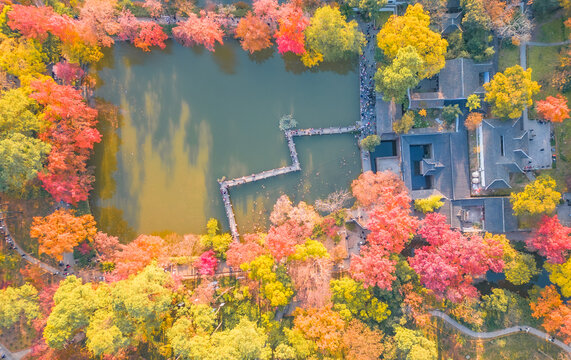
<point x="68" y="72"/>
<point x="551" y="240"/>
<point x="72" y="134"/>
<point x="451" y="261"/>
<point x="207" y="263"/>
<point x="290" y="35"/>
<point x="150" y="34"/>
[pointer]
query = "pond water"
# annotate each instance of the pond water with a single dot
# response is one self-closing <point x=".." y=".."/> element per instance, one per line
<point x="188" y="117"/>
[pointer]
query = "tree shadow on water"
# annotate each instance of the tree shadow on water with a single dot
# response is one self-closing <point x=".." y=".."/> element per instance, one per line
<point x="294" y="65"/>
<point x="261" y="56"/>
<point x="225" y="57"/>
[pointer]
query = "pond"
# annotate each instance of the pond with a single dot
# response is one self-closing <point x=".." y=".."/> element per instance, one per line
<point x="187" y="117"/>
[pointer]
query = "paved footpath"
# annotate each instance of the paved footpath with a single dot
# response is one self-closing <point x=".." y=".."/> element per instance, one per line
<point x="13" y="356"/>
<point x="498" y="333"/>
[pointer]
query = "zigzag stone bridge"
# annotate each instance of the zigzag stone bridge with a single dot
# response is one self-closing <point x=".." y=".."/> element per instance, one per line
<point x="225" y="185"/>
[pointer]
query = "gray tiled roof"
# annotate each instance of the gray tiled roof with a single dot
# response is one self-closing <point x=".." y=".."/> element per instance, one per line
<point x="498" y="165"/>
<point x="457" y="80"/>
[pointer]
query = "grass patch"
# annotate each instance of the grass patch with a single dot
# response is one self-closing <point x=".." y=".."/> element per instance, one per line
<point x="382" y="17"/>
<point x="543" y="60"/>
<point x="508" y="56"/>
<point x="553" y="31"/>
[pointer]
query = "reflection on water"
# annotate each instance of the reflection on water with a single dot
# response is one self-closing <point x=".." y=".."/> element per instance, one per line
<point x="188" y="117"/>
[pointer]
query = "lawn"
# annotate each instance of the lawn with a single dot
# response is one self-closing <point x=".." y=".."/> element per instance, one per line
<point x="553" y="31"/>
<point x="508" y="56"/>
<point x="453" y="345"/>
<point x="382" y="17"/>
<point x="543" y="60"/>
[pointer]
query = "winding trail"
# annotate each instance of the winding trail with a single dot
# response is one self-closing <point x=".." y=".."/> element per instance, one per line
<point x="498" y="333"/>
<point x="11" y="242"/>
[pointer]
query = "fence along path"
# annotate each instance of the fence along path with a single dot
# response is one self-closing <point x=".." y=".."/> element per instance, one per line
<point x="225" y="185"/>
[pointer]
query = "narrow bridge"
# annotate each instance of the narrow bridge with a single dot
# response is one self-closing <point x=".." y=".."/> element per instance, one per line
<point x="225" y="185"/>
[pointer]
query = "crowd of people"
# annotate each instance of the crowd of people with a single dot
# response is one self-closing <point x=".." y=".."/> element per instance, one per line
<point x="367" y="69"/>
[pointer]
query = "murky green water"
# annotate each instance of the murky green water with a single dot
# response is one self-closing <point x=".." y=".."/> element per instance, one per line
<point x="188" y="117"/>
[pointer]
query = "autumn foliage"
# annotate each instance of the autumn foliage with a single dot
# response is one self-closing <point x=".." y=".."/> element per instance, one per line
<point x="554" y="109"/>
<point x="290" y="35"/>
<point x="556" y="315"/>
<point x="135" y="256"/>
<point x="371" y="188"/>
<point x="451" y="261"/>
<point x="291" y="226"/>
<point x="254" y="33"/>
<point x="203" y="30"/>
<point x="150" y="34"/>
<point x="552" y="240"/>
<point x="390" y="223"/>
<point x="61" y="231"/>
<point x="473" y="120"/>
<point x="72" y="134"/>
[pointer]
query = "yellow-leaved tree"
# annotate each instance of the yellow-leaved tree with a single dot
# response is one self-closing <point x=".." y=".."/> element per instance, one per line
<point x="412" y="29"/>
<point x="538" y="197"/>
<point x="510" y="92"/>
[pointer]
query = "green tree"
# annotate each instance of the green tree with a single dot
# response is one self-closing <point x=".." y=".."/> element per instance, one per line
<point x="495" y="303"/>
<point x="414" y="29"/>
<point x="538" y="197"/>
<point x="351" y="300"/>
<point x="263" y="269"/>
<point x="213" y="239"/>
<point x="18" y="113"/>
<point x="74" y="303"/>
<point x="405" y="123"/>
<point x="368" y="7"/>
<point x="18" y="303"/>
<point x="370" y="142"/>
<point x="450" y="112"/>
<point x="510" y="92"/>
<point x="21" y="158"/>
<point x="330" y="35"/>
<point x="403" y="73"/>
<point x="473" y="102"/>
<point x="428" y="204"/>
<point x="413" y="345"/>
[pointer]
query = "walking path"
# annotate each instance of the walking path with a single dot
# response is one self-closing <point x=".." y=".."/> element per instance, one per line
<point x="13" y="356"/>
<point x="225" y="185"/>
<point x="561" y="43"/>
<point x="5" y="233"/>
<point x="503" y="332"/>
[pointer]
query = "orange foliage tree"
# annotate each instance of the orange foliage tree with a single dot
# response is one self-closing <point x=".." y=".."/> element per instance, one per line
<point x="554" y="109"/>
<point x="473" y="120"/>
<point x="254" y="33"/>
<point x="322" y="326"/>
<point x="371" y="188"/>
<point x="61" y="231"/>
<point x="556" y="315"/>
